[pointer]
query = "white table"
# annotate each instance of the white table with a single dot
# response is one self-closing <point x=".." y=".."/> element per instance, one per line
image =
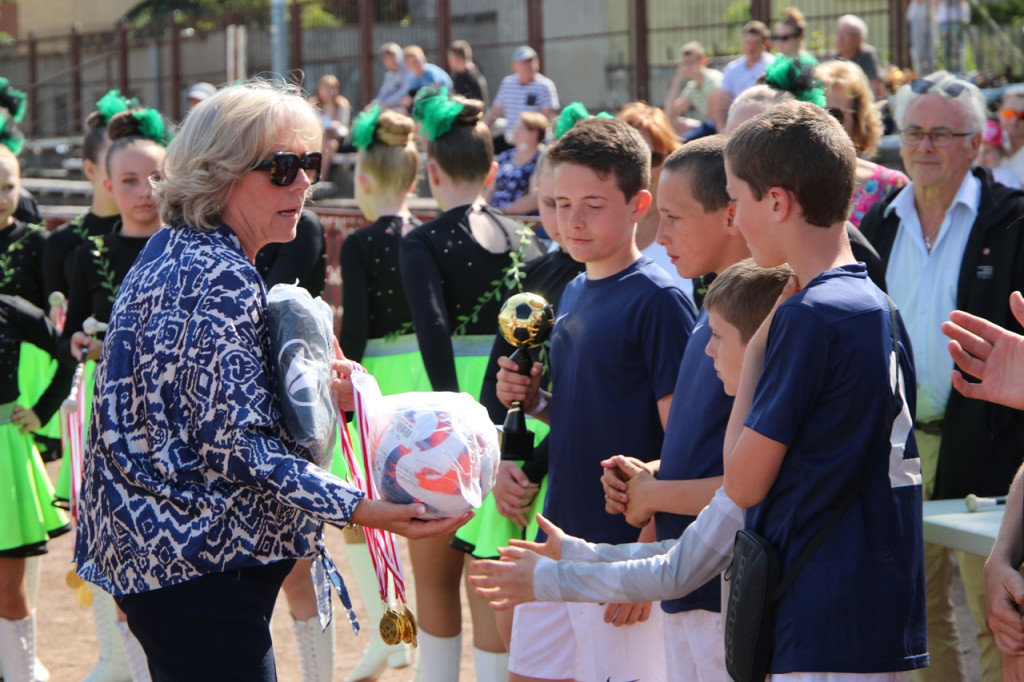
<point x="947" y="522"/>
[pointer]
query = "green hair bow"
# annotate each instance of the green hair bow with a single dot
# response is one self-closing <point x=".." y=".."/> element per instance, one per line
<point x="13" y="100"/>
<point x="795" y="76"/>
<point x="10" y="136"/>
<point x="152" y="126"/>
<point x="438" y="114"/>
<point x="423" y="95"/>
<point x="569" y="117"/>
<point x="114" y="103"/>
<point x="364" y="128"/>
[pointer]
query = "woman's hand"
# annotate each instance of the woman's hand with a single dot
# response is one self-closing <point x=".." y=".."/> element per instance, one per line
<point x="342" y="394"/>
<point x="80" y="342"/>
<point x="404" y="519"/>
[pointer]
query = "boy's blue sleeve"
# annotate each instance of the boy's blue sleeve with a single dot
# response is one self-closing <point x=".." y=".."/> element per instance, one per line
<point x="795" y="370"/>
<point x="665" y="329"/>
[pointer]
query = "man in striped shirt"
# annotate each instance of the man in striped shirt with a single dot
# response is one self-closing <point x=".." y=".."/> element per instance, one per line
<point x="526" y="89"/>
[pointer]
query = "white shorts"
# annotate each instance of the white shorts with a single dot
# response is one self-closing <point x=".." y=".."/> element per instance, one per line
<point x="695" y="646"/>
<point x="558" y="641"/>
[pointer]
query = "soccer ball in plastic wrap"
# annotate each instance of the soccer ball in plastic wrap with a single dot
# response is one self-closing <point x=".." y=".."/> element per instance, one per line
<point x="440" y="449"/>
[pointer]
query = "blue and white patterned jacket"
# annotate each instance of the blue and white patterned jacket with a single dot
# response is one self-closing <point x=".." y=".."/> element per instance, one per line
<point x="189" y="470"/>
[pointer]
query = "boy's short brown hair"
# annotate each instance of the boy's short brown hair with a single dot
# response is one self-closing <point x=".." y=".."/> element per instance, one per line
<point x="607" y="146"/>
<point x="744" y="294"/>
<point x="800" y="147"/>
<point x="704" y="160"/>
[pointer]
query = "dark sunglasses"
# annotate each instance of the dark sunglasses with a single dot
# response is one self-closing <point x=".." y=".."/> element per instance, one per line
<point x="920" y="86"/>
<point x="783" y="38"/>
<point x="284" y="167"/>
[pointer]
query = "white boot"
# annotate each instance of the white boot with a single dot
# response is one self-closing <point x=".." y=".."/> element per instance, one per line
<point x="316" y="649"/>
<point x="33" y="565"/>
<point x="138" y="664"/>
<point x="377" y="656"/>
<point x="18" y="648"/>
<point x="113" y="664"/>
<point x="438" y="659"/>
<point x="490" y="667"/>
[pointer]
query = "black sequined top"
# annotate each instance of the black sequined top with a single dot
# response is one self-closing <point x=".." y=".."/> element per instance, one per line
<point x="59" y="254"/>
<point x="20" y="321"/>
<point x="21" y="262"/>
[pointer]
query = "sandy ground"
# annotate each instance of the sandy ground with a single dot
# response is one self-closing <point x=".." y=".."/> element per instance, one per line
<point x="67" y="636"/>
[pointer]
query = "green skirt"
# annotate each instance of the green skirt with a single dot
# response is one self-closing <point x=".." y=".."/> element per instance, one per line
<point x="35" y="372"/>
<point x="26" y="498"/>
<point x="63" y="487"/>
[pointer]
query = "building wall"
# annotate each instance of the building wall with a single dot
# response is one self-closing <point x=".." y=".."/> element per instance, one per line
<point x="54" y="17"/>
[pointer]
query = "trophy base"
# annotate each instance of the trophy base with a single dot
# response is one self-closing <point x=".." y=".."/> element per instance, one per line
<point x="515" y="445"/>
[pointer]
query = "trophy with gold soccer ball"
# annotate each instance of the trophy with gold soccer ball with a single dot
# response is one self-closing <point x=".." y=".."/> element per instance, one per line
<point x="525" y="321"/>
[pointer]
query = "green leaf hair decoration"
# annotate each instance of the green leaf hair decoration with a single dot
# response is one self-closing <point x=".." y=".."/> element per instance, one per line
<point x="365" y="127"/>
<point x="795" y="76"/>
<point x="603" y="114"/>
<point x="114" y="103"/>
<point x="151" y="125"/>
<point x="439" y="113"/>
<point x="570" y="116"/>
<point x="10" y="136"/>
<point x="15" y="101"/>
<point x="424" y="95"/>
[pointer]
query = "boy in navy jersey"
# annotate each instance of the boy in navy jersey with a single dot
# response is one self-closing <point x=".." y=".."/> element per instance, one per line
<point x="618" y="339"/>
<point x="697" y="232"/>
<point x="810" y="417"/>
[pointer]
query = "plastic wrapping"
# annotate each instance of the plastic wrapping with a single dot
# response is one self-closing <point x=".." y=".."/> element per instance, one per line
<point x="440" y="449"/>
<point x="302" y="343"/>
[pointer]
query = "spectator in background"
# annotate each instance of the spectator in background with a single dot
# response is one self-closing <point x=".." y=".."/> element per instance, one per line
<point x="335" y="115"/>
<point x="954" y="16"/>
<point x="851" y="34"/>
<point x="198" y="92"/>
<point x="789" y="36"/>
<point x="849" y="100"/>
<point x="468" y="80"/>
<point x="923" y="27"/>
<point x="742" y="72"/>
<point x="1011" y="116"/>
<point x="397" y="79"/>
<point x="992" y="155"/>
<point x="510" y="190"/>
<point x="686" y="108"/>
<point x="524" y="90"/>
<point x="424" y="73"/>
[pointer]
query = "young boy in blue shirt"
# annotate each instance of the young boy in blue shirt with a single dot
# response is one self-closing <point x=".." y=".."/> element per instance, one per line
<point x="618" y="339"/>
<point x="810" y="415"/>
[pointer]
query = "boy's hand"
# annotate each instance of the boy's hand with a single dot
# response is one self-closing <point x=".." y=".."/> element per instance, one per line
<point x="760" y="338"/>
<point x="638" y="511"/>
<point x="507" y="582"/>
<point x="513" y="386"/>
<point x="513" y="493"/>
<point x="550" y="548"/>
<point x="627" y="614"/>
<point x="618" y="470"/>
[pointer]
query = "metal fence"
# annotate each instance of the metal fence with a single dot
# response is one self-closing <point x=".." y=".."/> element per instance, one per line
<point x="603" y="53"/>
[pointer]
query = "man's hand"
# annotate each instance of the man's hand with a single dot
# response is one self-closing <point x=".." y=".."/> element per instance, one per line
<point x="1004" y="595"/>
<point x="513" y="493"/>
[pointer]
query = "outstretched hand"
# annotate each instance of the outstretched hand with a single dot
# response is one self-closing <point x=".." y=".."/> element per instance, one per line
<point x="507" y="582"/>
<point x="989" y="353"/>
<point x="405" y="519"/>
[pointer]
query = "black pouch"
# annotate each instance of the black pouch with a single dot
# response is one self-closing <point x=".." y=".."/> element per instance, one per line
<point x="755" y="574"/>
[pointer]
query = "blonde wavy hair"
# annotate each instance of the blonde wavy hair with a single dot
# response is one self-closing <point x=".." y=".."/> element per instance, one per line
<point x="221" y="141"/>
<point x="849" y="79"/>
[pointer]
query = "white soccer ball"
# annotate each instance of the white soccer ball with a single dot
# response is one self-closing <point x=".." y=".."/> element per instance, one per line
<point x="440" y="449"/>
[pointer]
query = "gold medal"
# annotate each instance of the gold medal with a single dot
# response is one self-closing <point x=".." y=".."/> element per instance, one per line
<point x="72" y="580"/>
<point x="390" y="627"/>
<point x="410" y="636"/>
<point x="84" y="596"/>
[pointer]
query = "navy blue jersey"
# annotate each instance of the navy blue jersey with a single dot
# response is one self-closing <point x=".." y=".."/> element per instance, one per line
<point x="693" y="447"/>
<point x="858" y="605"/>
<point x="615" y="351"/>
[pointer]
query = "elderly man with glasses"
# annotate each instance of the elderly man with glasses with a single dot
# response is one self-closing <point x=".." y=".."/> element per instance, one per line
<point x="952" y="239"/>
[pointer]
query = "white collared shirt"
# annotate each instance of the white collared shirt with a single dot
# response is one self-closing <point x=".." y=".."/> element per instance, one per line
<point x="924" y="286"/>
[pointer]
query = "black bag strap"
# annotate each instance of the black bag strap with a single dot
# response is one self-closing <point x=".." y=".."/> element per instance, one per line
<point x="823" y="532"/>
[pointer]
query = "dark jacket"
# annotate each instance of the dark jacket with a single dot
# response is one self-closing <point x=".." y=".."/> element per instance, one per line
<point x="982" y="443"/>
